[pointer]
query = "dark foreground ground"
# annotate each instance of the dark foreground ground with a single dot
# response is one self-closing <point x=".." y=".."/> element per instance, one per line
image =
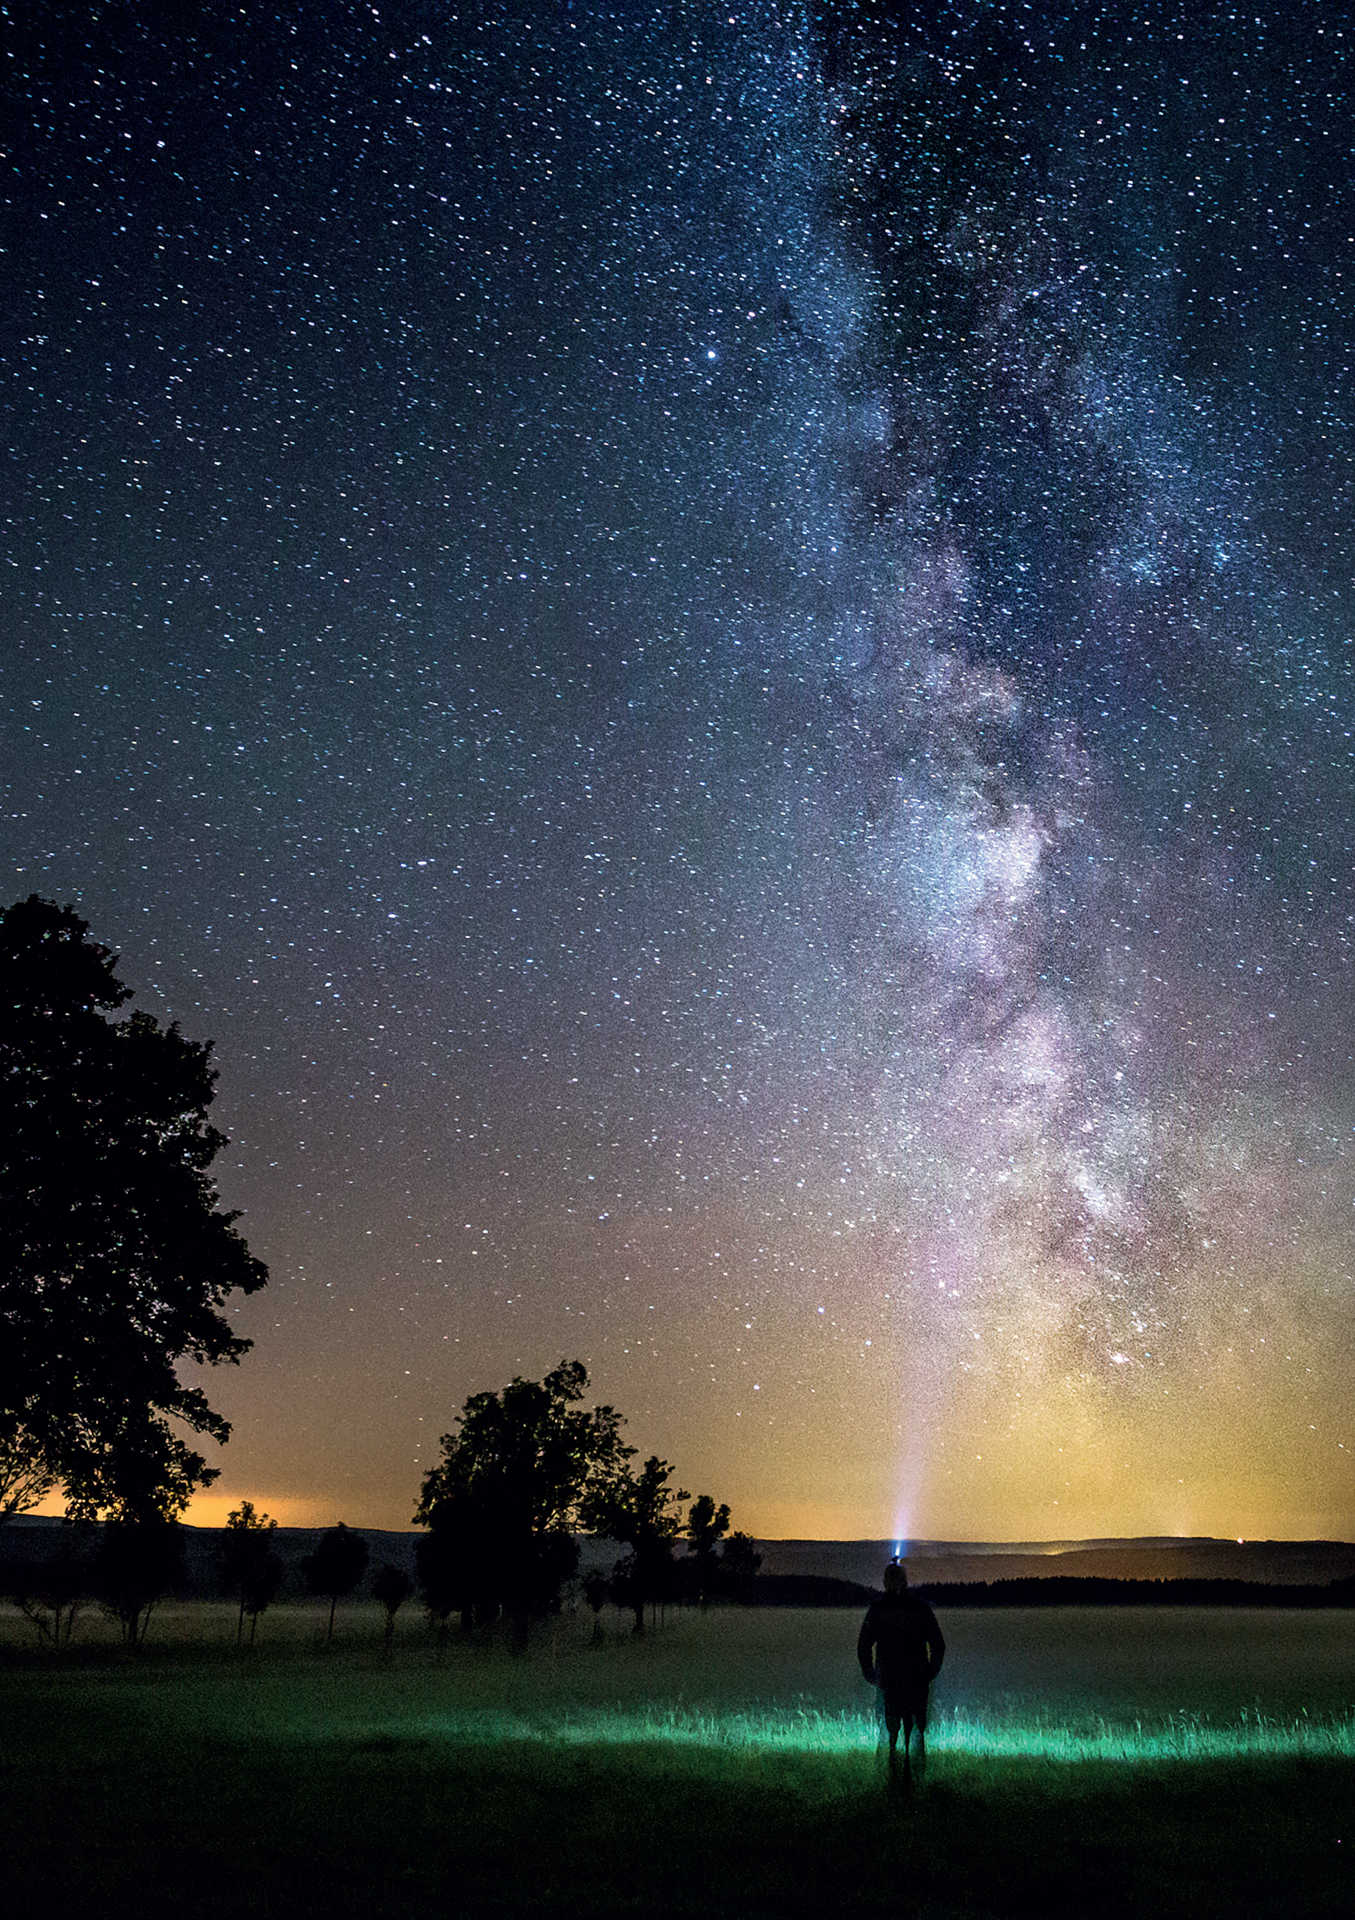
<point x="296" y="1783"/>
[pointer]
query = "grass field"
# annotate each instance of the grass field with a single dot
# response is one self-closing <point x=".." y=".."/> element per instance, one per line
<point x="1152" y="1762"/>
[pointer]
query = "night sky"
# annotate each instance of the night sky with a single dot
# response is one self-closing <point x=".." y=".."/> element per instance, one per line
<point x="714" y="644"/>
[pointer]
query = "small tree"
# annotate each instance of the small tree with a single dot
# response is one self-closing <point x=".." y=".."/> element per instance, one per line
<point x="707" y="1525"/>
<point x="50" y="1594"/>
<point x="336" y="1566"/>
<point x="137" y="1563"/>
<point x="739" y="1562"/>
<point x="250" y="1566"/>
<point x="261" y="1590"/>
<point x="641" y="1511"/>
<point x="392" y="1586"/>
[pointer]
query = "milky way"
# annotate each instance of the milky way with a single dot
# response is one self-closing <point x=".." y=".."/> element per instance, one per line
<point x="715" y="648"/>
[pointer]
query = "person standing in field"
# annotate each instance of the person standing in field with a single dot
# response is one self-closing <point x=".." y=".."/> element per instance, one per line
<point x="901" y="1648"/>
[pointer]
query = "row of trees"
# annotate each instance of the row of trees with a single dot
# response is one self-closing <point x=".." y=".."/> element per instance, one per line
<point x="252" y="1570"/>
<point x="128" y="1566"/>
<point x="473" y="1571"/>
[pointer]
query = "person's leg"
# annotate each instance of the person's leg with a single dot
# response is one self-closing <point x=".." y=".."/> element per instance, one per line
<point x="920" y="1716"/>
<point x="898" y="1773"/>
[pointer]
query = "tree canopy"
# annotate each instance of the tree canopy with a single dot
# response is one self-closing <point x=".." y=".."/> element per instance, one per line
<point x="115" y="1257"/>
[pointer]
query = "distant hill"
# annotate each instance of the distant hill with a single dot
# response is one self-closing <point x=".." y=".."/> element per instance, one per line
<point x="1268" y="1562"/>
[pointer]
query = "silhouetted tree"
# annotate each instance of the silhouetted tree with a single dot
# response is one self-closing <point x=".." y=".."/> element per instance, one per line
<point x="114" y="1255"/>
<point x="261" y="1590"/>
<point x="739" y="1562"/>
<point x="503" y="1504"/>
<point x="392" y="1586"/>
<point x="641" y="1511"/>
<point x="136" y="1564"/>
<point x="50" y="1593"/>
<point x="707" y="1525"/>
<point x="250" y="1566"/>
<point x="336" y="1566"/>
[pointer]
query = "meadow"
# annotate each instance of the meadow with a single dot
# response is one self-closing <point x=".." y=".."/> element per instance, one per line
<point x="1145" y="1761"/>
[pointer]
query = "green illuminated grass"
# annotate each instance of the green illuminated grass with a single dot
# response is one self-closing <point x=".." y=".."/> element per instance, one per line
<point x="726" y="1767"/>
<point x="1179" y="1739"/>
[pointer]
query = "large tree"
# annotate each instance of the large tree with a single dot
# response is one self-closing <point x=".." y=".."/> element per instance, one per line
<point x="510" y="1492"/>
<point x="115" y="1257"/>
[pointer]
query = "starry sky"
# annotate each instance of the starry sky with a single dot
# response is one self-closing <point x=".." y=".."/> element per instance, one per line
<point x="714" y="644"/>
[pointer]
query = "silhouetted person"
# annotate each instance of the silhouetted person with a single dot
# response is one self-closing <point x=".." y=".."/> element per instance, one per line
<point x="901" y="1648"/>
